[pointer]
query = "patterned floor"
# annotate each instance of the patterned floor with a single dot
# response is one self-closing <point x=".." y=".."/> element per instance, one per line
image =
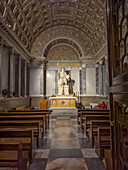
<point x="65" y="147"/>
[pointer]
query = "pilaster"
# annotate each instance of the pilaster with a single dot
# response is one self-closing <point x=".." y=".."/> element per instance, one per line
<point x="1" y="49"/>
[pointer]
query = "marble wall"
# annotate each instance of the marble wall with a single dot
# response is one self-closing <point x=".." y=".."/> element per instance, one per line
<point x="36" y="80"/>
<point x="91" y="81"/>
<point x="86" y="80"/>
<point x="8" y="103"/>
<point x="75" y="77"/>
<point x="5" y="59"/>
<point x="50" y="82"/>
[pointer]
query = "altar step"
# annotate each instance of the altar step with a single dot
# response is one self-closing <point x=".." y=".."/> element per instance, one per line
<point x="64" y="112"/>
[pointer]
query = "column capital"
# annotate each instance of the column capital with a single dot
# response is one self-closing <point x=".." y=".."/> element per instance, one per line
<point x="106" y="57"/>
<point x="96" y="65"/>
<point x="101" y="62"/>
<point x="11" y="50"/>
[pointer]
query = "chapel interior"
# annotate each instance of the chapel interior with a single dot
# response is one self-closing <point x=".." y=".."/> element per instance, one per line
<point x="64" y="84"/>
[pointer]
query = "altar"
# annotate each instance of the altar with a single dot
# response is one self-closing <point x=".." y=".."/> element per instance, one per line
<point x="63" y="101"/>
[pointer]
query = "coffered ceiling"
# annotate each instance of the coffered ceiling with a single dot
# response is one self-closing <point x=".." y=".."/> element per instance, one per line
<point x="37" y="22"/>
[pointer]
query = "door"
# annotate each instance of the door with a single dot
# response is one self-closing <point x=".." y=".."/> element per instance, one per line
<point x="117" y="26"/>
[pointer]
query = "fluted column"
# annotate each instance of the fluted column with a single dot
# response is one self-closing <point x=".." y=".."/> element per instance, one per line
<point x="25" y="78"/>
<point x="1" y="49"/>
<point x="97" y="78"/>
<point x="84" y="80"/>
<point x="19" y="78"/>
<point x="11" y="83"/>
<point x="41" y="79"/>
<point x="106" y="76"/>
<point x="101" y="78"/>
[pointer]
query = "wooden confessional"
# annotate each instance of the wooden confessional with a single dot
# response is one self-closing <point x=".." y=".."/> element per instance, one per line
<point x="117" y="27"/>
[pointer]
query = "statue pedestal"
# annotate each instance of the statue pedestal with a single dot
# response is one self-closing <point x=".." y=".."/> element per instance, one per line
<point x="64" y="90"/>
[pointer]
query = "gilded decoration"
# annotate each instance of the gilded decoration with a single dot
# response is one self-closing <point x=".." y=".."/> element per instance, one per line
<point x="62" y="52"/>
<point x="63" y="102"/>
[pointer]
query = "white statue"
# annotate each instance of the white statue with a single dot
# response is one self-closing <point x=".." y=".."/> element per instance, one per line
<point x="62" y="77"/>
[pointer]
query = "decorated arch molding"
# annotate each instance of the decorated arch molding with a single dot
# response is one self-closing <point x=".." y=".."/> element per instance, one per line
<point x="62" y="40"/>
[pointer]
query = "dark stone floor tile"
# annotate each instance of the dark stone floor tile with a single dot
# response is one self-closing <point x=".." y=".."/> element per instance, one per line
<point x="84" y="143"/>
<point x="94" y="164"/>
<point x="38" y="164"/>
<point x="65" y="153"/>
<point x="46" y="143"/>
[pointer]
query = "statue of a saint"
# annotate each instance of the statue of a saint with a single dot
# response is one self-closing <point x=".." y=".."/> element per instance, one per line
<point x="62" y="77"/>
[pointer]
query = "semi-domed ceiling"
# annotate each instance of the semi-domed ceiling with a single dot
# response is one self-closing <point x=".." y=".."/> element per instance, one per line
<point x="37" y="22"/>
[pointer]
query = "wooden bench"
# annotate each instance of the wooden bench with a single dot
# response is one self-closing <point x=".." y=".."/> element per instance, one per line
<point x="45" y="114"/>
<point x="102" y="141"/>
<point x="91" y="112"/>
<point x="89" y="118"/>
<point x="16" y="136"/>
<point x="24" y="124"/>
<point x="93" y="130"/>
<point x="11" y="156"/>
<point x="40" y="118"/>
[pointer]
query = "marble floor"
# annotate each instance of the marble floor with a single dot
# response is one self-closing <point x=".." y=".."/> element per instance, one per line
<point x="65" y="147"/>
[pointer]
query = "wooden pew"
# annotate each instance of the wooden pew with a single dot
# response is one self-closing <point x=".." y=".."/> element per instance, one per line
<point x="88" y="111"/>
<point x="16" y="136"/>
<point x="27" y="113"/>
<point x="11" y="156"/>
<point x="40" y="118"/>
<point x="102" y="141"/>
<point x="89" y="118"/>
<point x="35" y="125"/>
<point x="33" y="110"/>
<point x="93" y="130"/>
<point x="91" y="112"/>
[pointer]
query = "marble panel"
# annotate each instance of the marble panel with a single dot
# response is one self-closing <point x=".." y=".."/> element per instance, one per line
<point x="50" y="82"/>
<point x="64" y="133"/>
<point x="84" y="143"/>
<point x="4" y="83"/>
<point x="65" y="143"/>
<point x="34" y="81"/>
<point x="75" y="77"/>
<point x="89" y="153"/>
<point x="41" y="153"/>
<point x="90" y="81"/>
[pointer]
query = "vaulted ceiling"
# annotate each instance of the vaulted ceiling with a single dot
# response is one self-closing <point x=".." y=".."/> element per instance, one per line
<point x="37" y="22"/>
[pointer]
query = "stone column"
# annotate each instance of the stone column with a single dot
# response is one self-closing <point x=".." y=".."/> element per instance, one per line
<point x="41" y="79"/>
<point x="97" y="78"/>
<point x="80" y="81"/>
<point x="19" y="78"/>
<point x="106" y="75"/>
<point x="25" y="78"/>
<point x="101" y="77"/>
<point x="84" y="80"/>
<point x="44" y="81"/>
<point x="11" y="83"/>
<point x="1" y="49"/>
